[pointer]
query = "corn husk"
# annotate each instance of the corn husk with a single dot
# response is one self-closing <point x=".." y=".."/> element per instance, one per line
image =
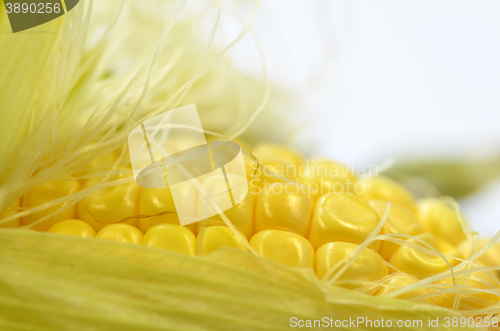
<point x="456" y="178"/>
<point x="78" y="284"/>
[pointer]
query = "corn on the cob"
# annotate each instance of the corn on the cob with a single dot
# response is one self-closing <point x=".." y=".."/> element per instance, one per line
<point x="283" y="223"/>
<point x="62" y="281"/>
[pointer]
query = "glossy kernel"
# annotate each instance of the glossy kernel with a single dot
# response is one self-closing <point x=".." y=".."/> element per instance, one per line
<point x="172" y="237"/>
<point x="284" y="247"/>
<point x="439" y="218"/>
<point x="341" y="217"/>
<point x="327" y="176"/>
<point x="383" y="188"/>
<point x="103" y="162"/>
<point x="73" y="228"/>
<point x="367" y="267"/>
<point x="276" y="159"/>
<point x="396" y="281"/>
<point x="216" y="237"/>
<point x="399" y="220"/>
<point x="110" y="204"/>
<point x="241" y="215"/>
<point x="154" y="201"/>
<point x="469" y="298"/>
<point x="283" y="207"/>
<point x="48" y="192"/>
<point x="421" y="265"/>
<point x="124" y="233"/>
<point x="491" y="257"/>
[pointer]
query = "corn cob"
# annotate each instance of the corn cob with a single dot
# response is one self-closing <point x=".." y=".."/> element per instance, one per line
<point x="143" y="272"/>
<point x="299" y="230"/>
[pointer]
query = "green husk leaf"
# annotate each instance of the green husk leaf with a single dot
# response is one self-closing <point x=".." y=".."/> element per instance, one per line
<point x="455" y="178"/>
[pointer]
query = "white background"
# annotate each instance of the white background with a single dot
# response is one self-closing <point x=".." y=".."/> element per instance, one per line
<point x="390" y="79"/>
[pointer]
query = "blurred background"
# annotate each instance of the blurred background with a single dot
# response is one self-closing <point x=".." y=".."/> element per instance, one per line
<point x="388" y="81"/>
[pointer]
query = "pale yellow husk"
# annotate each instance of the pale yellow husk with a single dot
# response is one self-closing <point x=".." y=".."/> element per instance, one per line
<point x="78" y="284"/>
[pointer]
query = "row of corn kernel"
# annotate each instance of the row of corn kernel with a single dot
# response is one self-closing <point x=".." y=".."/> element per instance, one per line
<point x="291" y="250"/>
<point x="334" y="217"/>
<point x="281" y="246"/>
<point x="333" y="220"/>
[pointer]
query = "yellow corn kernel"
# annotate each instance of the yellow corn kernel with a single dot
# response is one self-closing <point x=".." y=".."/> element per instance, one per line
<point x="439" y="218"/>
<point x="243" y="143"/>
<point x="241" y="215"/>
<point x="124" y="233"/>
<point x="399" y="220"/>
<point x="277" y="159"/>
<point x="283" y="207"/>
<point x="73" y="228"/>
<point x="470" y="299"/>
<point x="367" y="267"/>
<point x="419" y="264"/>
<point x="284" y="247"/>
<point x="154" y="201"/>
<point x="110" y="205"/>
<point x="491" y="257"/>
<point x="172" y="237"/>
<point x="250" y="164"/>
<point x="396" y="281"/>
<point x="383" y="188"/>
<point x="215" y="237"/>
<point x="46" y="193"/>
<point x="268" y="150"/>
<point x="341" y="217"/>
<point x="12" y="209"/>
<point x="327" y="177"/>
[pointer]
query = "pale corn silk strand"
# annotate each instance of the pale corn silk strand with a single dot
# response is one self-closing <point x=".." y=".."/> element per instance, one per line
<point x="111" y="139"/>
<point x="39" y="123"/>
<point x="72" y="146"/>
<point x="145" y="89"/>
<point x="75" y="198"/>
<point x="87" y="141"/>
